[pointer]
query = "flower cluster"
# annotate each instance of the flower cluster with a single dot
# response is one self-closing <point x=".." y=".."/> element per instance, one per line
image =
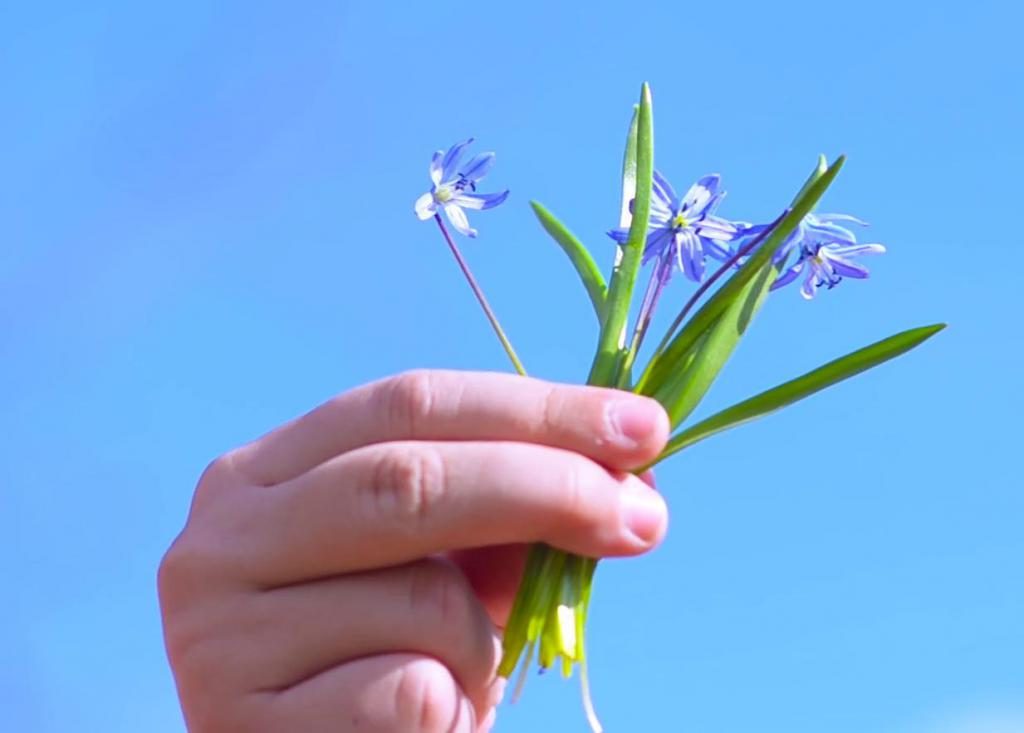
<point x="684" y="231"/>
<point x="667" y="232"/>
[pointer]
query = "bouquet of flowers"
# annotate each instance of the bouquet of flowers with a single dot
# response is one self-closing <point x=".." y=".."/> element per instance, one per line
<point x="664" y="232"/>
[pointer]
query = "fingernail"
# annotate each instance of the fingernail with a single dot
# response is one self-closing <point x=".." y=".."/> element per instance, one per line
<point x="631" y="422"/>
<point x="644" y="512"/>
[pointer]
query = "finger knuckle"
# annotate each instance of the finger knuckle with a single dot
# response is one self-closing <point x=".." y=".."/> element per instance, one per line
<point x="408" y="483"/>
<point x="440" y="596"/>
<point x="181" y="583"/>
<point x="410" y="400"/>
<point x="426" y="698"/>
<point x="178" y="567"/>
<point x="217" y="475"/>
<point x="553" y="409"/>
<point x="579" y="477"/>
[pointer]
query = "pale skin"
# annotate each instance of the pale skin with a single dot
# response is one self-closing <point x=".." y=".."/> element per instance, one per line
<point x="351" y="570"/>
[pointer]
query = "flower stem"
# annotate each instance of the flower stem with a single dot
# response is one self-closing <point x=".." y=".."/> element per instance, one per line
<point x="506" y="344"/>
<point x="643" y="320"/>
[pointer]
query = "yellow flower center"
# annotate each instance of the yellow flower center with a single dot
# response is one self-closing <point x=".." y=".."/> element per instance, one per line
<point x="680" y="222"/>
<point x="443" y="194"/>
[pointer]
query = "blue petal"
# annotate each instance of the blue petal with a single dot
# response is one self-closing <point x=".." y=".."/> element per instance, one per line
<point x="690" y="255"/>
<point x="822" y="267"/>
<point x="436" y="167"/>
<point x="658" y="241"/>
<point x="810" y="286"/>
<point x="855" y="250"/>
<point x="715" y="249"/>
<point x="827" y="233"/>
<point x="478" y="167"/>
<point x="663" y="190"/>
<point x="700" y="196"/>
<point x="660" y="213"/>
<point x="849" y="269"/>
<point x="791" y="243"/>
<point x="713" y="227"/>
<point x="663" y="270"/>
<point x="833" y="218"/>
<point x="619" y="235"/>
<point x="480" y="201"/>
<point x="788" y="276"/>
<point x="450" y="163"/>
<point x="746" y="229"/>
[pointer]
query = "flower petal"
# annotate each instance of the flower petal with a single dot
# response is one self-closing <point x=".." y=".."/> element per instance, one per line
<point x="715" y="248"/>
<point x="478" y="201"/>
<point x="713" y="227"/>
<point x="436" y="167"/>
<point x="619" y="235"/>
<point x="425" y="206"/>
<point x="856" y="250"/>
<point x="660" y="214"/>
<point x="458" y="219"/>
<point x="663" y="191"/>
<point x="658" y="241"/>
<point x="810" y="286"/>
<point x="846" y="268"/>
<point x="478" y="167"/>
<point x="450" y="163"/>
<point x="700" y="196"/>
<point x="833" y="218"/>
<point x="690" y="255"/>
<point x="820" y="233"/>
<point x="788" y="276"/>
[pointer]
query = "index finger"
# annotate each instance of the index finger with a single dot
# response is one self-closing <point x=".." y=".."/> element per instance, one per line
<point x="619" y="429"/>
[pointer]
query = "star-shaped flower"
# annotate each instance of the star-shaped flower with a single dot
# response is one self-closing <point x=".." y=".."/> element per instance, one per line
<point x="454" y="187"/>
<point x="685" y="230"/>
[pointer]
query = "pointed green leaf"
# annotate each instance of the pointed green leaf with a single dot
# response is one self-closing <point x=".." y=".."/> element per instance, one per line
<point x="801" y="387"/>
<point x="690" y="382"/>
<point x="580" y="257"/>
<point x="607" y="361"/>
<point x="659" y="369"/>
<point x="818" y="172"/>
<point x="629" y="171"/>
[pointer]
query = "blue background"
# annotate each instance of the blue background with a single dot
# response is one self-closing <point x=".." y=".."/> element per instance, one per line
<point x="206" y="228"/>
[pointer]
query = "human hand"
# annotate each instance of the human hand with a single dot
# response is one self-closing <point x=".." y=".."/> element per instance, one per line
<point x="348" y="571"/>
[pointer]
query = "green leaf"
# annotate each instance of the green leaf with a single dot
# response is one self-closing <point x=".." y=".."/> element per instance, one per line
<point x="607" y="361"/>
<point x="801" y="387"/>
<point x="629" y="171"/>
<point x="817" y="173"/>
<point x="580" y="257"/>
<point x="659" y="369"/>
<point x="690" y="383"/>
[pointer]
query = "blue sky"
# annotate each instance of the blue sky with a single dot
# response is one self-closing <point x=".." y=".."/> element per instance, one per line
<point x="207" y="229"/>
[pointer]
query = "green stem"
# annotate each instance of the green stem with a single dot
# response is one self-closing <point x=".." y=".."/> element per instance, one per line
<point x="506" y="344"/>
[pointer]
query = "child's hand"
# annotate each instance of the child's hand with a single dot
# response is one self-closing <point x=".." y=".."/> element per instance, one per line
<point x="329" y="576"/>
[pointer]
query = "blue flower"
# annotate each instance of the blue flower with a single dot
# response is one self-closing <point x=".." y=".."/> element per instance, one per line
<point x="825" y="249"/>
<point x="827" y="265"/>
<point x="816" y="229"/>
<point x="685" y="229"/>
<point x="454" y="187"/>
